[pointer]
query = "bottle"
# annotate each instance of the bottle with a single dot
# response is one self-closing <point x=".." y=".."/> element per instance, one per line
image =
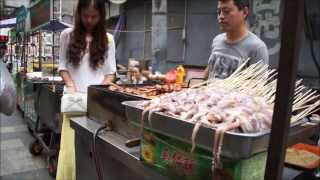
<point x="150" y="68"/>
<point x="180" y="74"/>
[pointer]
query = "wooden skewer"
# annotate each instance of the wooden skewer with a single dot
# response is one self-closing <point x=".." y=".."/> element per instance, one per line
<point x="240" y="67"/>
<point x="305" y="98"/>
<point x="313" y="111"/>
<point x="298" y="98"/>
<point x="300" y="107"/>
<point x="258" y="80"/>
<point x="231" y="76"/>
<point x="309" y="110"/>
<point x="306" y="101"/>
<point x="298" y="90"/>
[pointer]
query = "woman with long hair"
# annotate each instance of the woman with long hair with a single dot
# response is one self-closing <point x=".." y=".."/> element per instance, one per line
<point x="87" y="57"/>
<point x="87" y="52"/>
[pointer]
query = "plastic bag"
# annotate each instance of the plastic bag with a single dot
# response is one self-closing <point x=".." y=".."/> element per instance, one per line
<point x="171" y="76"/>
<point x="7" y="91"/>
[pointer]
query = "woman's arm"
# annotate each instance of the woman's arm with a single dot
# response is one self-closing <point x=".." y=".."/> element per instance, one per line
<point x="109" y="67"/>
<point x="63" y="69"/>
<point x="71" y="86"/>
<point x="108" y="79"/>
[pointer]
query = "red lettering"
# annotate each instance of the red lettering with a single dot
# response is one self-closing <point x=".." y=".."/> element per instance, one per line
<point x="165" y="154"/>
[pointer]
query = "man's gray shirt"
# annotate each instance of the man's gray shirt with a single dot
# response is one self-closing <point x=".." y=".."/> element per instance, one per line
<point x="225" y="58"/>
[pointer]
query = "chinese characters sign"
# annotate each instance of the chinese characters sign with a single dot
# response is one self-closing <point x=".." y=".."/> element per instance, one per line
<point x="266" y="23"/>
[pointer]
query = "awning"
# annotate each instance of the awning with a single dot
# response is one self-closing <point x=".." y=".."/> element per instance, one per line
<point x="7" y="23"/>
<point x="55" y="25"/>
<point x="4" y="31"/>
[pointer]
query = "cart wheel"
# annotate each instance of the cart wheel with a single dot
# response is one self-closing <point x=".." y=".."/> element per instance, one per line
<point x="35" y="148"/>
<point x="52" y="166"/>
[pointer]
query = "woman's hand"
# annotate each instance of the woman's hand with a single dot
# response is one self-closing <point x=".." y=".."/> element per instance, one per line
<point x="69" y="83"/>
<point x="72" y="88"/>
<point x="108" y="79"/>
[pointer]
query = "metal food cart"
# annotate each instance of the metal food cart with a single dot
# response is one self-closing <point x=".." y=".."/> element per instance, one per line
<point x="115" y="158"/>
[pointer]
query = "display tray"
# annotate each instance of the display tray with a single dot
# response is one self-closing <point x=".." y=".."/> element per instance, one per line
<point x="235" y="145"/>
<point x="104" y="106"/>
<point x="101" y="98"/>
<point x="304" y="157"/>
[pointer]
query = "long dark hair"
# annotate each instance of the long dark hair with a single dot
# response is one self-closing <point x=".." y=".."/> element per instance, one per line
<point x="99" y="42"/>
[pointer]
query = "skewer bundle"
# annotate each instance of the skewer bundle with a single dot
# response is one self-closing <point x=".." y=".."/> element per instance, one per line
<point x="243" y="101"/>
<point x="258" y="80"/>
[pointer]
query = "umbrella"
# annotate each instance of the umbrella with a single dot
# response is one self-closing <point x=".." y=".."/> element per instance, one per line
<point x="55" y="25"/>
<point x="7" y="23"/>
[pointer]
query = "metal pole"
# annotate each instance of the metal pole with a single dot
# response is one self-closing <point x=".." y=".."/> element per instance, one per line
<point x="40" y="47"/>
<point x="11" y="60"/>
<point x="184" y="31"/>
<point x="288" y="62"/>
<point x="53" y="60"/>
<point x="60" y="10"/>
<point x="144" y="28"/>
<point x="159" y="35"/>
<point x="23" y="52"/>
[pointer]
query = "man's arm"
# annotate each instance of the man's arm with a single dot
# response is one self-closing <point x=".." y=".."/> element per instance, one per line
<point x="206" y="71"/>
<point x="261" y="54"/>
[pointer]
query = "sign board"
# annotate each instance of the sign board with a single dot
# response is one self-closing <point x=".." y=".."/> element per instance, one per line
<point x="3" y="39"/>
<point x="118" y="1"/>
<point x="16" y="4"/>
<point x="40" y="14"/>
<point x="13" y="35"/>
<point x="21" y="15"/>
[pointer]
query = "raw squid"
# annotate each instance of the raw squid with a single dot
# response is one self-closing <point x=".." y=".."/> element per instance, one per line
<point x="224" y="110"/>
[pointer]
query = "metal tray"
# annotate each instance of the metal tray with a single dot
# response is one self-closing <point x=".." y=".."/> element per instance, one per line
<point x="104" y="106"/>
<point x="49" y="103"/>
<point x="235" y="145"/>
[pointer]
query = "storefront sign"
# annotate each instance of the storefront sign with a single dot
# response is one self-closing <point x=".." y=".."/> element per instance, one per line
<point x="266" y="23"/>
<point x="40" y="14"/>
<point x="21" y="15"/>
<point x="13" y="35"/>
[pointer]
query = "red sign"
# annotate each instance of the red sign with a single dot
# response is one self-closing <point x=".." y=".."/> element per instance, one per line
<point x="3" y="38"/>
<point x="178" y="159"/>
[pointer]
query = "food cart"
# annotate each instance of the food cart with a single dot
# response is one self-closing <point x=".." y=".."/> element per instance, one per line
<point x="166" y="135"/>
